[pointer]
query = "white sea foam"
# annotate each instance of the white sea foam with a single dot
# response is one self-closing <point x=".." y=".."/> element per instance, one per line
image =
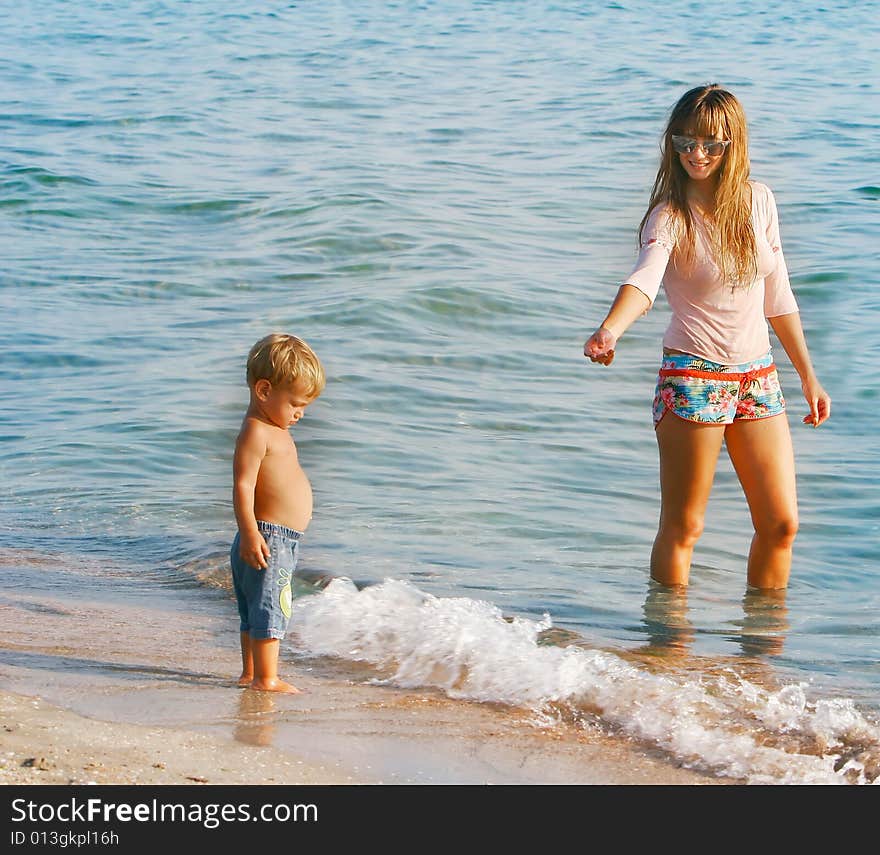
<point x="467" y="648"/>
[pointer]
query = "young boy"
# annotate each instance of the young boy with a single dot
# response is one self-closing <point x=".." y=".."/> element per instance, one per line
<point x="272" y="499"/>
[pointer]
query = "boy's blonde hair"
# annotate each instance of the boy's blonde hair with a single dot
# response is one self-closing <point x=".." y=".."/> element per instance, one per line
<point x="285" y="360"/>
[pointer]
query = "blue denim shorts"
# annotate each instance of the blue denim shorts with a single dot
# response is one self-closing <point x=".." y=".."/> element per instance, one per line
<point x="265" y="597"/>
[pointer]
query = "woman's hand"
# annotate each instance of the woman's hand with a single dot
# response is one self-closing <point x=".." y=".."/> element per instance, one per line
<point x="599" y="347"/>
<point x="819" y="401"/>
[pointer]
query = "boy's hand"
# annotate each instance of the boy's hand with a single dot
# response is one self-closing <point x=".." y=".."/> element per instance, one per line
<point x="254" y="550"/>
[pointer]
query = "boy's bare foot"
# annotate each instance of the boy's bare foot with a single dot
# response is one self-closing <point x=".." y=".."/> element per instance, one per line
<point x="274" y="684"/>
<point x="245" y="680"/>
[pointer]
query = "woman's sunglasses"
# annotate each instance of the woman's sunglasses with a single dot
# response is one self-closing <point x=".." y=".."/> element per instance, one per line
<point x="712" y="148"/>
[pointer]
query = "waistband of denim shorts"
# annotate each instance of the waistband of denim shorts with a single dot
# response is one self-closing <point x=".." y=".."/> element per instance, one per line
<point x="282" y="530"/>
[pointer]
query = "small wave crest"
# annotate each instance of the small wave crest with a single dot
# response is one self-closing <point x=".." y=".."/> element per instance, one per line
<point x="725" y="725"/>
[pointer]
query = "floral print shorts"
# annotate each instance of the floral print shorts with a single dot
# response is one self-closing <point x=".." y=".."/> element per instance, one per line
<point x="712" y="393"/>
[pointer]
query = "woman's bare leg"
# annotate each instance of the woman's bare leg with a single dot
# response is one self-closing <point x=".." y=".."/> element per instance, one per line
<point x="762" y="455"/>
<point x="688" y="457"/>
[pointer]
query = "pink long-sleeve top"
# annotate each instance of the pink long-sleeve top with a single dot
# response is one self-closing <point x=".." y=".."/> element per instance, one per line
<point x="710" y="318"/>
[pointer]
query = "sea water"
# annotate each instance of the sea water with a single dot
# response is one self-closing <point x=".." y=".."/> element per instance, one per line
<point x="442" y="199"/>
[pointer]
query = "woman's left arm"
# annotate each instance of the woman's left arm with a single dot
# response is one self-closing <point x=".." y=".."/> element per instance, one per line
<point x="790" y="333"/>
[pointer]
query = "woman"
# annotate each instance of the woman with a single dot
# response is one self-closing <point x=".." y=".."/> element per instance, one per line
<point x="712" y="237"/>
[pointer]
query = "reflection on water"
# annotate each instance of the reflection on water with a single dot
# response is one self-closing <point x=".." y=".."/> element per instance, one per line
<point x="255" y="724"/>
<point x="761" y="632"/>
<point x="764" y="623"/>
<point x="665" y="617"/>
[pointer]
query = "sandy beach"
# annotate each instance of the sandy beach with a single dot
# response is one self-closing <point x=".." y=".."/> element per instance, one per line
<point x="143" y="702"/>
<point x="44" y="744"/>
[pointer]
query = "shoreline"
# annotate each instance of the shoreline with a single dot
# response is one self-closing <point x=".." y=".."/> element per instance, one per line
<point x="412" y="740"/>
<point x="99" y="683"/>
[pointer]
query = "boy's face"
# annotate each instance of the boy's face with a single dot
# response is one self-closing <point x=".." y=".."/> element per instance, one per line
<point x="284" y="406"/>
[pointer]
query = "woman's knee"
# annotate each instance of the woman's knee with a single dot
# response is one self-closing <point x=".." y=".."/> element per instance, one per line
<point x="780" y="531"/>
<point x="685" y="530"/>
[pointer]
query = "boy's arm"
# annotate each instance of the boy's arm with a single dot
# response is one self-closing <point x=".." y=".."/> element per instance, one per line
<point x="790" y="333"/>
<point x="250" y="449"/>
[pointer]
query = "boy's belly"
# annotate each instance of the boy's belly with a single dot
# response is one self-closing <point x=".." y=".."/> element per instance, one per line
<point x="284" y="496"/>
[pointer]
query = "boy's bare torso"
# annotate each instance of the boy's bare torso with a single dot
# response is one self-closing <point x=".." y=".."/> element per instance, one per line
<point x="282" y="493"/>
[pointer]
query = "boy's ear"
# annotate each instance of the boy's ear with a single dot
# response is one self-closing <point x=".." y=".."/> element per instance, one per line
<point x="262" y="388"/>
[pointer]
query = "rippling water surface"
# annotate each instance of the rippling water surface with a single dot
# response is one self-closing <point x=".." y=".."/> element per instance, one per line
<point x="441" y="198"/>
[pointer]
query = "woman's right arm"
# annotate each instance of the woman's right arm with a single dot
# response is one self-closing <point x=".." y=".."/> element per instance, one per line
<point x="629" y="304"/>
<point x="640" y="288"/>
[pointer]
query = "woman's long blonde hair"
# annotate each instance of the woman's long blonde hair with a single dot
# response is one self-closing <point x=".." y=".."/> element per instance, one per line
<point x="705" y="111"/>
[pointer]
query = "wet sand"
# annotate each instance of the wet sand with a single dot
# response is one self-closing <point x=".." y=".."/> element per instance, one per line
<point x="43" y="744"/>
<point x="113" y="679"/>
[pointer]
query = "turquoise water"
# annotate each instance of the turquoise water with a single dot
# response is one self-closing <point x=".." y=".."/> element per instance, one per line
<point x="442" y="199"/>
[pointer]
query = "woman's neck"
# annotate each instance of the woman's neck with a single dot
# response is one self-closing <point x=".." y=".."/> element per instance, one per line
<point x="702" y="195"/>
